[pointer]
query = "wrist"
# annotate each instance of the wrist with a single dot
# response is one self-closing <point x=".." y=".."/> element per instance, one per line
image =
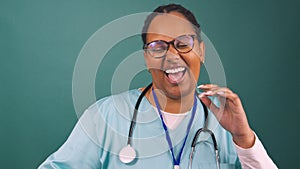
<point x="246" y="140"/>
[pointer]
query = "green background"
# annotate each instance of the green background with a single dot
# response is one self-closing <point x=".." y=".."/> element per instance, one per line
<point x="258" y="42"/>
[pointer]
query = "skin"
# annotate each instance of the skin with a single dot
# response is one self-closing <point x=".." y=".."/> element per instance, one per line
<point x="179" y="98"/>
<point x="171" y="96"/>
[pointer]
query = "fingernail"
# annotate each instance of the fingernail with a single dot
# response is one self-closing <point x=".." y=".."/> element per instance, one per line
<point x="220" y="92"/>
<point x="200" y="86"/>
<point x="208" y="92"/>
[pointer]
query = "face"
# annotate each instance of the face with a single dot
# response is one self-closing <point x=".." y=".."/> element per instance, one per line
<point x="176" y="74"/>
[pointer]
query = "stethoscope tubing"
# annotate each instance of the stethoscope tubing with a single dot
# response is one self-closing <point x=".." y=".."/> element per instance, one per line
<point x="136" y="107"/>
<point x="194" y="142"/>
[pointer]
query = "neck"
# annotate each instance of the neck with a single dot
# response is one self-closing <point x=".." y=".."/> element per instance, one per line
<point x="167" y="104"/>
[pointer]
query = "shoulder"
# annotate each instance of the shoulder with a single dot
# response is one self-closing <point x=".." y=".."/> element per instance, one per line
<point x="108" y="116"/>
<point x="114" y="103"/>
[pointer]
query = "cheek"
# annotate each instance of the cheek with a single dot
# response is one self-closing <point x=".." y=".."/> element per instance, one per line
<point x="157" y="77"/>
<point x="195" y="68"/>
<point x="193" y="61"/>
<point x="152" y="63"/>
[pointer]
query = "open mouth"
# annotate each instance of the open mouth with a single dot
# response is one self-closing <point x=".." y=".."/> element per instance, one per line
<point x="175" y="75"/>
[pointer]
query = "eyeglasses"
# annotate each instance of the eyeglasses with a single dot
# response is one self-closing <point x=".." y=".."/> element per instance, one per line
<point x="159" y="48"/>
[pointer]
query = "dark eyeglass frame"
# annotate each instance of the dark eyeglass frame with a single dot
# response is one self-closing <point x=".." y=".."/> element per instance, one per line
<point x="172" y="42"/>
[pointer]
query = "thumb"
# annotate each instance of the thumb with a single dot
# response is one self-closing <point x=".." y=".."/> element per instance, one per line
<point x="209" y="104"/>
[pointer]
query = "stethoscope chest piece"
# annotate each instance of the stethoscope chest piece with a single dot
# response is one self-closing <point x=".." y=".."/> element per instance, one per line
<point x="176" y="167"/>
<point x="127" y="154"/>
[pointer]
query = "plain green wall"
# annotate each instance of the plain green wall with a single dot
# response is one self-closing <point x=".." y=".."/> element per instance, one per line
<point x="258" y="42"/>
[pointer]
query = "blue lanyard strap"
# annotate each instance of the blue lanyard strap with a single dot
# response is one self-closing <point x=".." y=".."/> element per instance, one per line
<point x="176" y="161"/>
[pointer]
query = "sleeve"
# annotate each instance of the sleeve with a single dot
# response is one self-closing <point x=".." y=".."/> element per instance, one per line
<point x="255" y="157"/>
<point x="78" y="152"/>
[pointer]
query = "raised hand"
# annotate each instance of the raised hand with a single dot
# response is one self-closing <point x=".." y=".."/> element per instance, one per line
<point x="230" y="113"/>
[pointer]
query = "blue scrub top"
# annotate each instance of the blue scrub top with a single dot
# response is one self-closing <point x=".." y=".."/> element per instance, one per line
<point x="102" y="131"/>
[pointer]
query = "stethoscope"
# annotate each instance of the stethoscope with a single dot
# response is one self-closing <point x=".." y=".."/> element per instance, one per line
<point x="128" y="153"/>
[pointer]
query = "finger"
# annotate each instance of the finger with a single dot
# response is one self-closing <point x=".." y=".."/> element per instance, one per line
<point x="212" y="89"/>
<point x="208" y="89"/>
<point x="233" y="98"/>
<point x="221" y="95"/>
<point x="226" y="96"/>
<point x="207" y="86"/>
<point x="209" y="104"/>
<point x="222" y="91"/>
<point x="222" y="99"/>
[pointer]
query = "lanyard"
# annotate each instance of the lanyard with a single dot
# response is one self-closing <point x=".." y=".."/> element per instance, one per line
<point x="176" y="161"/>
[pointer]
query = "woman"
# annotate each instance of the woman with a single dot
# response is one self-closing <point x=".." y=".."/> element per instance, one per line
<point x="170" y="114"/>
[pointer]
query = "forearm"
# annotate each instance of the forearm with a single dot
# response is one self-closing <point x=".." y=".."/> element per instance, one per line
<point x="255" y="157"/>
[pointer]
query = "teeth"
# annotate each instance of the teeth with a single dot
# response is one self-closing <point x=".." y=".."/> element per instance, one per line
<point x="176" y="70"/>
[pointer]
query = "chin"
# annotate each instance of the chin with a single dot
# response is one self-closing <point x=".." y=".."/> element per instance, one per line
<point x="179" y="92"/>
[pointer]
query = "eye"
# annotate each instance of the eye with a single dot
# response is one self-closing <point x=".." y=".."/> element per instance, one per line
<point x="184" y="43"/>
<point x="157" y="49"/>
<point x="181" y="45"/>
<point x="157" y="46"/>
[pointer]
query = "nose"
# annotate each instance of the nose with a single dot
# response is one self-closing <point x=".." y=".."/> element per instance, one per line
<point x="172" y="55"/>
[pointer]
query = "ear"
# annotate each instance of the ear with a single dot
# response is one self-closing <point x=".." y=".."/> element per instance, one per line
<point x="202" y="51"/>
